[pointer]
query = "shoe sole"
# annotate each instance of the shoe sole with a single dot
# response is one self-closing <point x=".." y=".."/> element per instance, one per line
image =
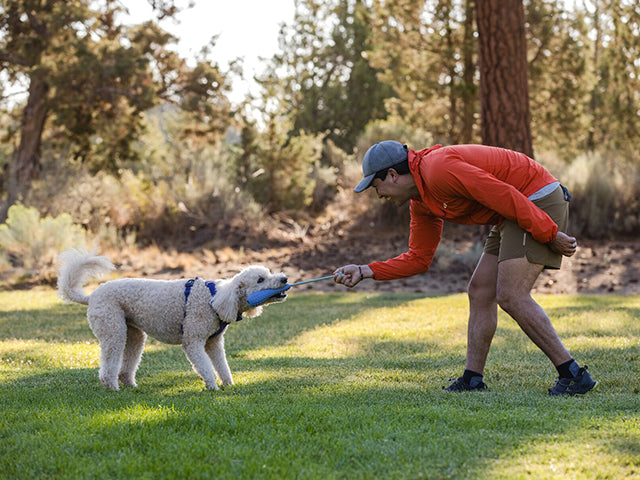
<point x="465" y="391"/>
<point x="595" y="382"/>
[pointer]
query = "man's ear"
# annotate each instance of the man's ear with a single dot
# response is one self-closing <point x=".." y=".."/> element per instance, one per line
<point x="393" y="174"/>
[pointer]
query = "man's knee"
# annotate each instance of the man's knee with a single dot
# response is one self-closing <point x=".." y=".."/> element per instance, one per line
<point x="516" y="277"/>
<point x="481" y="293"/>
<point x="508" y="297"/>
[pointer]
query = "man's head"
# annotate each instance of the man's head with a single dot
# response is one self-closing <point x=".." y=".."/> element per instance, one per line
<point x="379" y="159"/>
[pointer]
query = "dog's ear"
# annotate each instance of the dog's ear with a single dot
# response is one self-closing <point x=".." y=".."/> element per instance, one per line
<point x="225" y="301"/>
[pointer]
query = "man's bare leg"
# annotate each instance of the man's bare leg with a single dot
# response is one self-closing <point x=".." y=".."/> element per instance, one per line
<point x="483" y="319"/>
<point x="515" y="281"/>
<point x="483" y="312"/>
<point x="516" y="278"/>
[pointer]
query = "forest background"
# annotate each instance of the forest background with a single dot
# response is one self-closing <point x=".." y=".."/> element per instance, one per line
<point x="119" y="142"/>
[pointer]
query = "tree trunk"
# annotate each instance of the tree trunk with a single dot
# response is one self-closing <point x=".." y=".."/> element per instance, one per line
<point x="25" y="161"/>
<point x="453" y="77"/>
<point x="469" y="92"/>
<point x="504" y="91"/>
<point x="595" y="100"/>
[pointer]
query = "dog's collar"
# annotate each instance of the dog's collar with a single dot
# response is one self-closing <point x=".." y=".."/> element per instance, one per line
<point x="212" y="288"/>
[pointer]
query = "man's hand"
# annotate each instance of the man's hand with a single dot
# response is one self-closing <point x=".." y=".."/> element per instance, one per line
<point x="350" y="275"/>
<point x="563" y="244"/>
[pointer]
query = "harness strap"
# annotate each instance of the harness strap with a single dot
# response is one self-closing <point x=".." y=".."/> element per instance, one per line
<point x="212" y="289"/>
<point x="223" y="327"/>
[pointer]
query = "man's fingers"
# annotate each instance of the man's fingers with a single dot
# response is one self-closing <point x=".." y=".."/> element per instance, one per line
<point x="343" y="278"/>
<point x="571" y="249"/>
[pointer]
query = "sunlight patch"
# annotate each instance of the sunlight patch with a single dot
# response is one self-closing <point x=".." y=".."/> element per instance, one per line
<point x="587" y="451"/>
<point x="24" y="300"/>
<point x="28" y="354"/>
<point x="137" y="414"/>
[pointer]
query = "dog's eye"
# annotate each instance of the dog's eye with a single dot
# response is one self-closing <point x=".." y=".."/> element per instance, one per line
<point x="260" y="279"/>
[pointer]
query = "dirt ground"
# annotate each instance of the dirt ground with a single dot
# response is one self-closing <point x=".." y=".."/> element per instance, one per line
<point x="350" y="231"/>
<point x="599" y="267"/>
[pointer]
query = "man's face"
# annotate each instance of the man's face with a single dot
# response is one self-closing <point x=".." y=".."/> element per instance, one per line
<point x="392" y="188"/>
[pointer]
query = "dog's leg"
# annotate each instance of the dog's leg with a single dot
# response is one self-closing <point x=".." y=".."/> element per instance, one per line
<point x="201" y="362"/>
<point x="215" y="350"/>
<point x="132" y="355"/>
<point x="112" y="337"/>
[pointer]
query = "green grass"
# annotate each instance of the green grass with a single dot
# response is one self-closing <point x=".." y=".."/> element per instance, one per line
<point x="327" y="386"/>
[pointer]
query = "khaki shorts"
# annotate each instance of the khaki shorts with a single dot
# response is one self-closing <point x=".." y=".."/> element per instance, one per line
<point x="508" y="240"/>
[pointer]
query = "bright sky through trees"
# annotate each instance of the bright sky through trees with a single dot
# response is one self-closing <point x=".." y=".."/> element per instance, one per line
<point x="246" y="29"/>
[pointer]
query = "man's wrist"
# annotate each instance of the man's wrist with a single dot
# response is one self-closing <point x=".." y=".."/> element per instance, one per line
<point x="365" y="272"/>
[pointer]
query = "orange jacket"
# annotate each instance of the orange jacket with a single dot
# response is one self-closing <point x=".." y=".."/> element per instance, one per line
<point x="467" y="184"/>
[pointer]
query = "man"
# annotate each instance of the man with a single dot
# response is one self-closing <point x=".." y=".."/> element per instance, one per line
<point x="477" y="184"/>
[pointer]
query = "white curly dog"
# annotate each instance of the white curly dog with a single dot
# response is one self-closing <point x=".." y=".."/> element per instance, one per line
<point x="191" y="313"/>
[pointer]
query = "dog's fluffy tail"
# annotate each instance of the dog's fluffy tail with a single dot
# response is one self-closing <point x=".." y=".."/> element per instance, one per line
<point x="76" y="267"/>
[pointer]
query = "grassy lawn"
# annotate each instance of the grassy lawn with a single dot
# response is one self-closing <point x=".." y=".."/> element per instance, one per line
<point x="327" y="386"/>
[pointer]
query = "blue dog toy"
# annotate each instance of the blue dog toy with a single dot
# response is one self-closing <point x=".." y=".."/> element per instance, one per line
<point x="258" y="298"/>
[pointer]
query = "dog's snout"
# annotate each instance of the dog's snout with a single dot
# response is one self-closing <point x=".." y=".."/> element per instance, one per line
<point x="284" y="279"/>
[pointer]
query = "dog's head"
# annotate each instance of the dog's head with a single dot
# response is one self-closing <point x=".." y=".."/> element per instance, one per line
<point x="231" y="296"/>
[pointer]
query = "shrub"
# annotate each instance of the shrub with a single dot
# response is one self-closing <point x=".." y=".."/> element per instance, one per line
<point x="324" y="181"/>
<point x="186" y="188"/>
<point x="392" y="129"/>
<point x="451" y="255"/>
<point x="207" y="196"/>
<point x="33" y="243"/>
<point x="605" y="191"/>
<point x="284" y="171"/>
<point x="125" y="202"/>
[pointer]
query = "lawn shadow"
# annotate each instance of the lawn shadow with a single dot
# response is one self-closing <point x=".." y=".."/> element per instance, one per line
<point x="61" y="322"/>
<point x="64" y="322"/>
<point x="274" y="327"/>
<point x="590" y="304"/>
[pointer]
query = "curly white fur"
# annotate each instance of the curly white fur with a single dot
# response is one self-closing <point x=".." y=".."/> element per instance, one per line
<point x="122" y="312"/>
<point x="76" y="267"/>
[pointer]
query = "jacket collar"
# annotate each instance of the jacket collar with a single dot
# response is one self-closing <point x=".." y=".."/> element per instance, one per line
<point x="415" y="160"/>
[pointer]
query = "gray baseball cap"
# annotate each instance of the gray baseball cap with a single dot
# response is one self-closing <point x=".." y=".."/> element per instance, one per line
<point x="380" y="156"/>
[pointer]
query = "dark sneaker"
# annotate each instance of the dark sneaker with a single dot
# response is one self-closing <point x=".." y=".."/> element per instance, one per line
<point x="577" y="385"/>
<point x="459" y="385"/>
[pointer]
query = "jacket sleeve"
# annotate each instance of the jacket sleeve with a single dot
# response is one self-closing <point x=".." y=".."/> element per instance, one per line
<point x="474" y="183"/>
<point x="424" y="237"/>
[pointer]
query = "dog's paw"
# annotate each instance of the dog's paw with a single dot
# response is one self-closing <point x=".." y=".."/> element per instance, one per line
<point x="110" y="385"/>
<point x="127" y="381"/>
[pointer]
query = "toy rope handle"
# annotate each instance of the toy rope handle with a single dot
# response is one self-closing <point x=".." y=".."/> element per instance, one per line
<point x="312" y="280"/>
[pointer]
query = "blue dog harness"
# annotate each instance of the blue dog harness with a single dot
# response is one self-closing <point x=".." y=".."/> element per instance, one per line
<point x="189" y="284"/>
<point x="212" y="288"/>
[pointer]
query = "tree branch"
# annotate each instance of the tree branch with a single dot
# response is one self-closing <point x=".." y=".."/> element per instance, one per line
<point x="10" y="58"/>
<point x="13" y="94"/>
<point x="39" y="28"/>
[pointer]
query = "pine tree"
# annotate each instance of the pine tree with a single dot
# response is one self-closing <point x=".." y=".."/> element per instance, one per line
<point x="427" y="54"/>
<point x="559" y="83"/>
<point x="504" y="90"/>
<point x="90" y="80"/>
<point x="615" y="96"/>
<point x="322" y="76"/>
